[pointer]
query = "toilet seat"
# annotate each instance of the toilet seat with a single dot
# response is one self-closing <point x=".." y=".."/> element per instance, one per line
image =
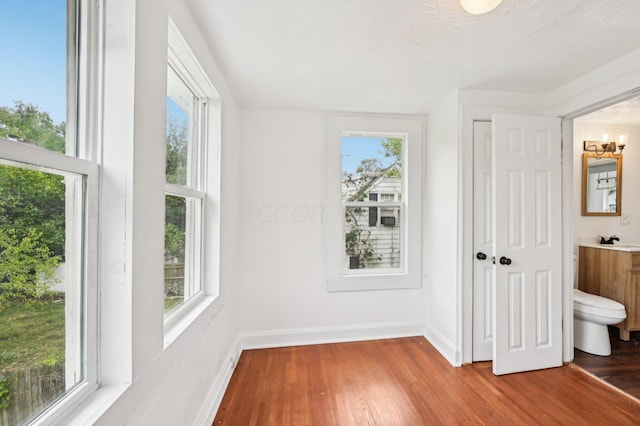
<point x="597" y="305"/>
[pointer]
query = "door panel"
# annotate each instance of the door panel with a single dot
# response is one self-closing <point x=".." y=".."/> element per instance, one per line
<point x="483" y="243"/>
<point x="527" y="295"/>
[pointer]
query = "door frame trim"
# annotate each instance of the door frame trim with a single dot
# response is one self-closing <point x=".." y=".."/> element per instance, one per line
<point x="472" y="113"/>
<point x="469" y="114"/>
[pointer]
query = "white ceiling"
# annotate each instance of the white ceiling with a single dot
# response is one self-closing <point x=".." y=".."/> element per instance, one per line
<point x="624" y="113"/>
<point x="395" y="56"/>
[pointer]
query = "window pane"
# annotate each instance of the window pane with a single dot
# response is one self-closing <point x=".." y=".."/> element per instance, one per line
<point x="33" y="78"/>
<point x="371" y="245"/>
<point x="41" y="317"/>
<point x="372" y="172"/>
<point x="174" y="251"/>
<point x="369" y="165"/>
<point x="181" y="129"/>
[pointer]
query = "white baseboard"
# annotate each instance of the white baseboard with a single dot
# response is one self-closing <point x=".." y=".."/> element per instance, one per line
<point x="214" y="397"/>
<point x="446" y="348"/>
<point x="320" y="335"/>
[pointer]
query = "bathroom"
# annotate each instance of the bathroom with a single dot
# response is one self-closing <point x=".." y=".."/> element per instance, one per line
<point x="593" y="220"/>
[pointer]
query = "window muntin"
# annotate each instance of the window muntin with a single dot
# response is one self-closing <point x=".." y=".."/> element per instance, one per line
<point x="371" y="186"/>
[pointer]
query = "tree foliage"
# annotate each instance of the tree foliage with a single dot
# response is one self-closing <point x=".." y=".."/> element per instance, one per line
<point x="27" y="267"/>
<point x="359" y="243"/>
<point x="393" y="149"/>
<point x="26" y="122"/>
<point x="177" y="147"/>
<point x="174" y="236"/>
<point x="176" y="172"/>
<point x="33" y="200"/>
<point x="32" y="208"/>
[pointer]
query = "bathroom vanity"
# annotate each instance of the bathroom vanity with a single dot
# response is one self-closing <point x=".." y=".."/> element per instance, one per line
<point x="613" y="271"/>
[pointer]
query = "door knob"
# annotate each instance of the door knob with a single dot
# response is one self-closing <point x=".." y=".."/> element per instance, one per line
<point x="505" y="261"/>
<point x="481" y="256"/>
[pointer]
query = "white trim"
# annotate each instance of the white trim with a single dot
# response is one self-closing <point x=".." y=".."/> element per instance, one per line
<point x="203" y="224"/>
<point x="469" y="113"/>
<point x="448" y="350"/>
<point x="567" y="239"/>
<point x="411" y="128"/>
<point x="323" y="335"/>
<point x="216" y="392"/>
<point x="28" y="154"/>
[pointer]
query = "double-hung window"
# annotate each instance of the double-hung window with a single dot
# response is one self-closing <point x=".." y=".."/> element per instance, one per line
<point x="188" y="136"/>
<point x="373" y="204"/>
<point x="48" y="211"/>
<point x="371" y="179"/>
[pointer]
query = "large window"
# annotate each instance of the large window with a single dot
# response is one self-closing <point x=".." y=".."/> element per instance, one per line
<point x="373" y="203"/>
<point x="188" y="121"/>
<point x="47" y="195"/>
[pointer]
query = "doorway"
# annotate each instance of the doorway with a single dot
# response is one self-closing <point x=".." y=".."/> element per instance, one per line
<point x="622" y="117"/>
<point x="517" y="185"/>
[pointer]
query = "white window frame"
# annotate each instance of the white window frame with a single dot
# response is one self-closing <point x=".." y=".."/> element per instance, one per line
<point x="201" y="191"/>
<point x="83" y="34"/>
<point x="411" y="129"/>
<point x="81" y="273"/>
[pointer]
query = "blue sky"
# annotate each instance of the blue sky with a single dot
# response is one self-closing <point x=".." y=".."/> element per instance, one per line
<point x="34" y="54"/>
<point x="357" y="148"/>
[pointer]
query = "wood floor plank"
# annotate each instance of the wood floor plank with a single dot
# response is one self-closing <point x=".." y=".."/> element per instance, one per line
<point x="407" y="382"/>
<point x="621" y="369"/>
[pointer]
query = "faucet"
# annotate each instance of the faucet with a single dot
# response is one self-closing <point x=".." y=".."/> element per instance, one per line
<point x="608" y="241"/>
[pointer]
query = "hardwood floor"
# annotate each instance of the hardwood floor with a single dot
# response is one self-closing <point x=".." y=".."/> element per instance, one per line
<point x="407" y="382"/>
<point x="621" y="369"/>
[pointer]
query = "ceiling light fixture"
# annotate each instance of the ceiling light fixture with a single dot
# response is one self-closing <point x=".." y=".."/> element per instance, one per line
<point x="478" y="7"/>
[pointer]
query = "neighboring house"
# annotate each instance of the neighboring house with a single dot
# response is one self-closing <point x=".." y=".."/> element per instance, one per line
<point x="372" y="234"/>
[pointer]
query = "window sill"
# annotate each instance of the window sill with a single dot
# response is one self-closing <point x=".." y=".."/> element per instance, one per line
<point x="89" y="410"/>
<point x="180" y="325"/>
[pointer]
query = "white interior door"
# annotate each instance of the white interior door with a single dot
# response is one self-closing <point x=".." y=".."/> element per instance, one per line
<point x="482" y="243"/>
<point x="527" y="294"/>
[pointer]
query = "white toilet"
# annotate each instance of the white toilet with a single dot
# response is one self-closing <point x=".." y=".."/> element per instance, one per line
<point x="591" y="315"/>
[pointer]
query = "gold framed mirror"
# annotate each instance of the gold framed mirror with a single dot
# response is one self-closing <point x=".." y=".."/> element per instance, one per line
<point x="601" y="184"/>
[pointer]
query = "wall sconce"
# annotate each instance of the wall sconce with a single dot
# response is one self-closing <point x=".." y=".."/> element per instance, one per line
<point x="606" y="146"/>
<point x="479" y="7"/>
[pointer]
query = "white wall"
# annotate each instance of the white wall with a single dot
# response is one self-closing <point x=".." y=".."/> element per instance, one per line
<point x="282" y="262"/>
<point x="588" y="227"/>
<point x="441" y="236"/>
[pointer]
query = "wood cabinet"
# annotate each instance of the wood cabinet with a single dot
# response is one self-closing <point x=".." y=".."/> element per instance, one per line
<point x="614" y="274"/>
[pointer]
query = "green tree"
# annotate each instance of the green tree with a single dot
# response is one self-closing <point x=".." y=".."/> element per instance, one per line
<point x="27" y="267"/>
<point x="369" y="166"/>
<point x="174" y="237"/>
<point x="177" y="146"/>
<point x="177" y="142"/>
<point x="393" y="149"/>
<point x="26" y="122"/>
<point x="33" y="200"/>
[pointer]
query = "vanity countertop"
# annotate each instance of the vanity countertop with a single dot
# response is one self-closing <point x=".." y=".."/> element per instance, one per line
<point x="632" y="247"/>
